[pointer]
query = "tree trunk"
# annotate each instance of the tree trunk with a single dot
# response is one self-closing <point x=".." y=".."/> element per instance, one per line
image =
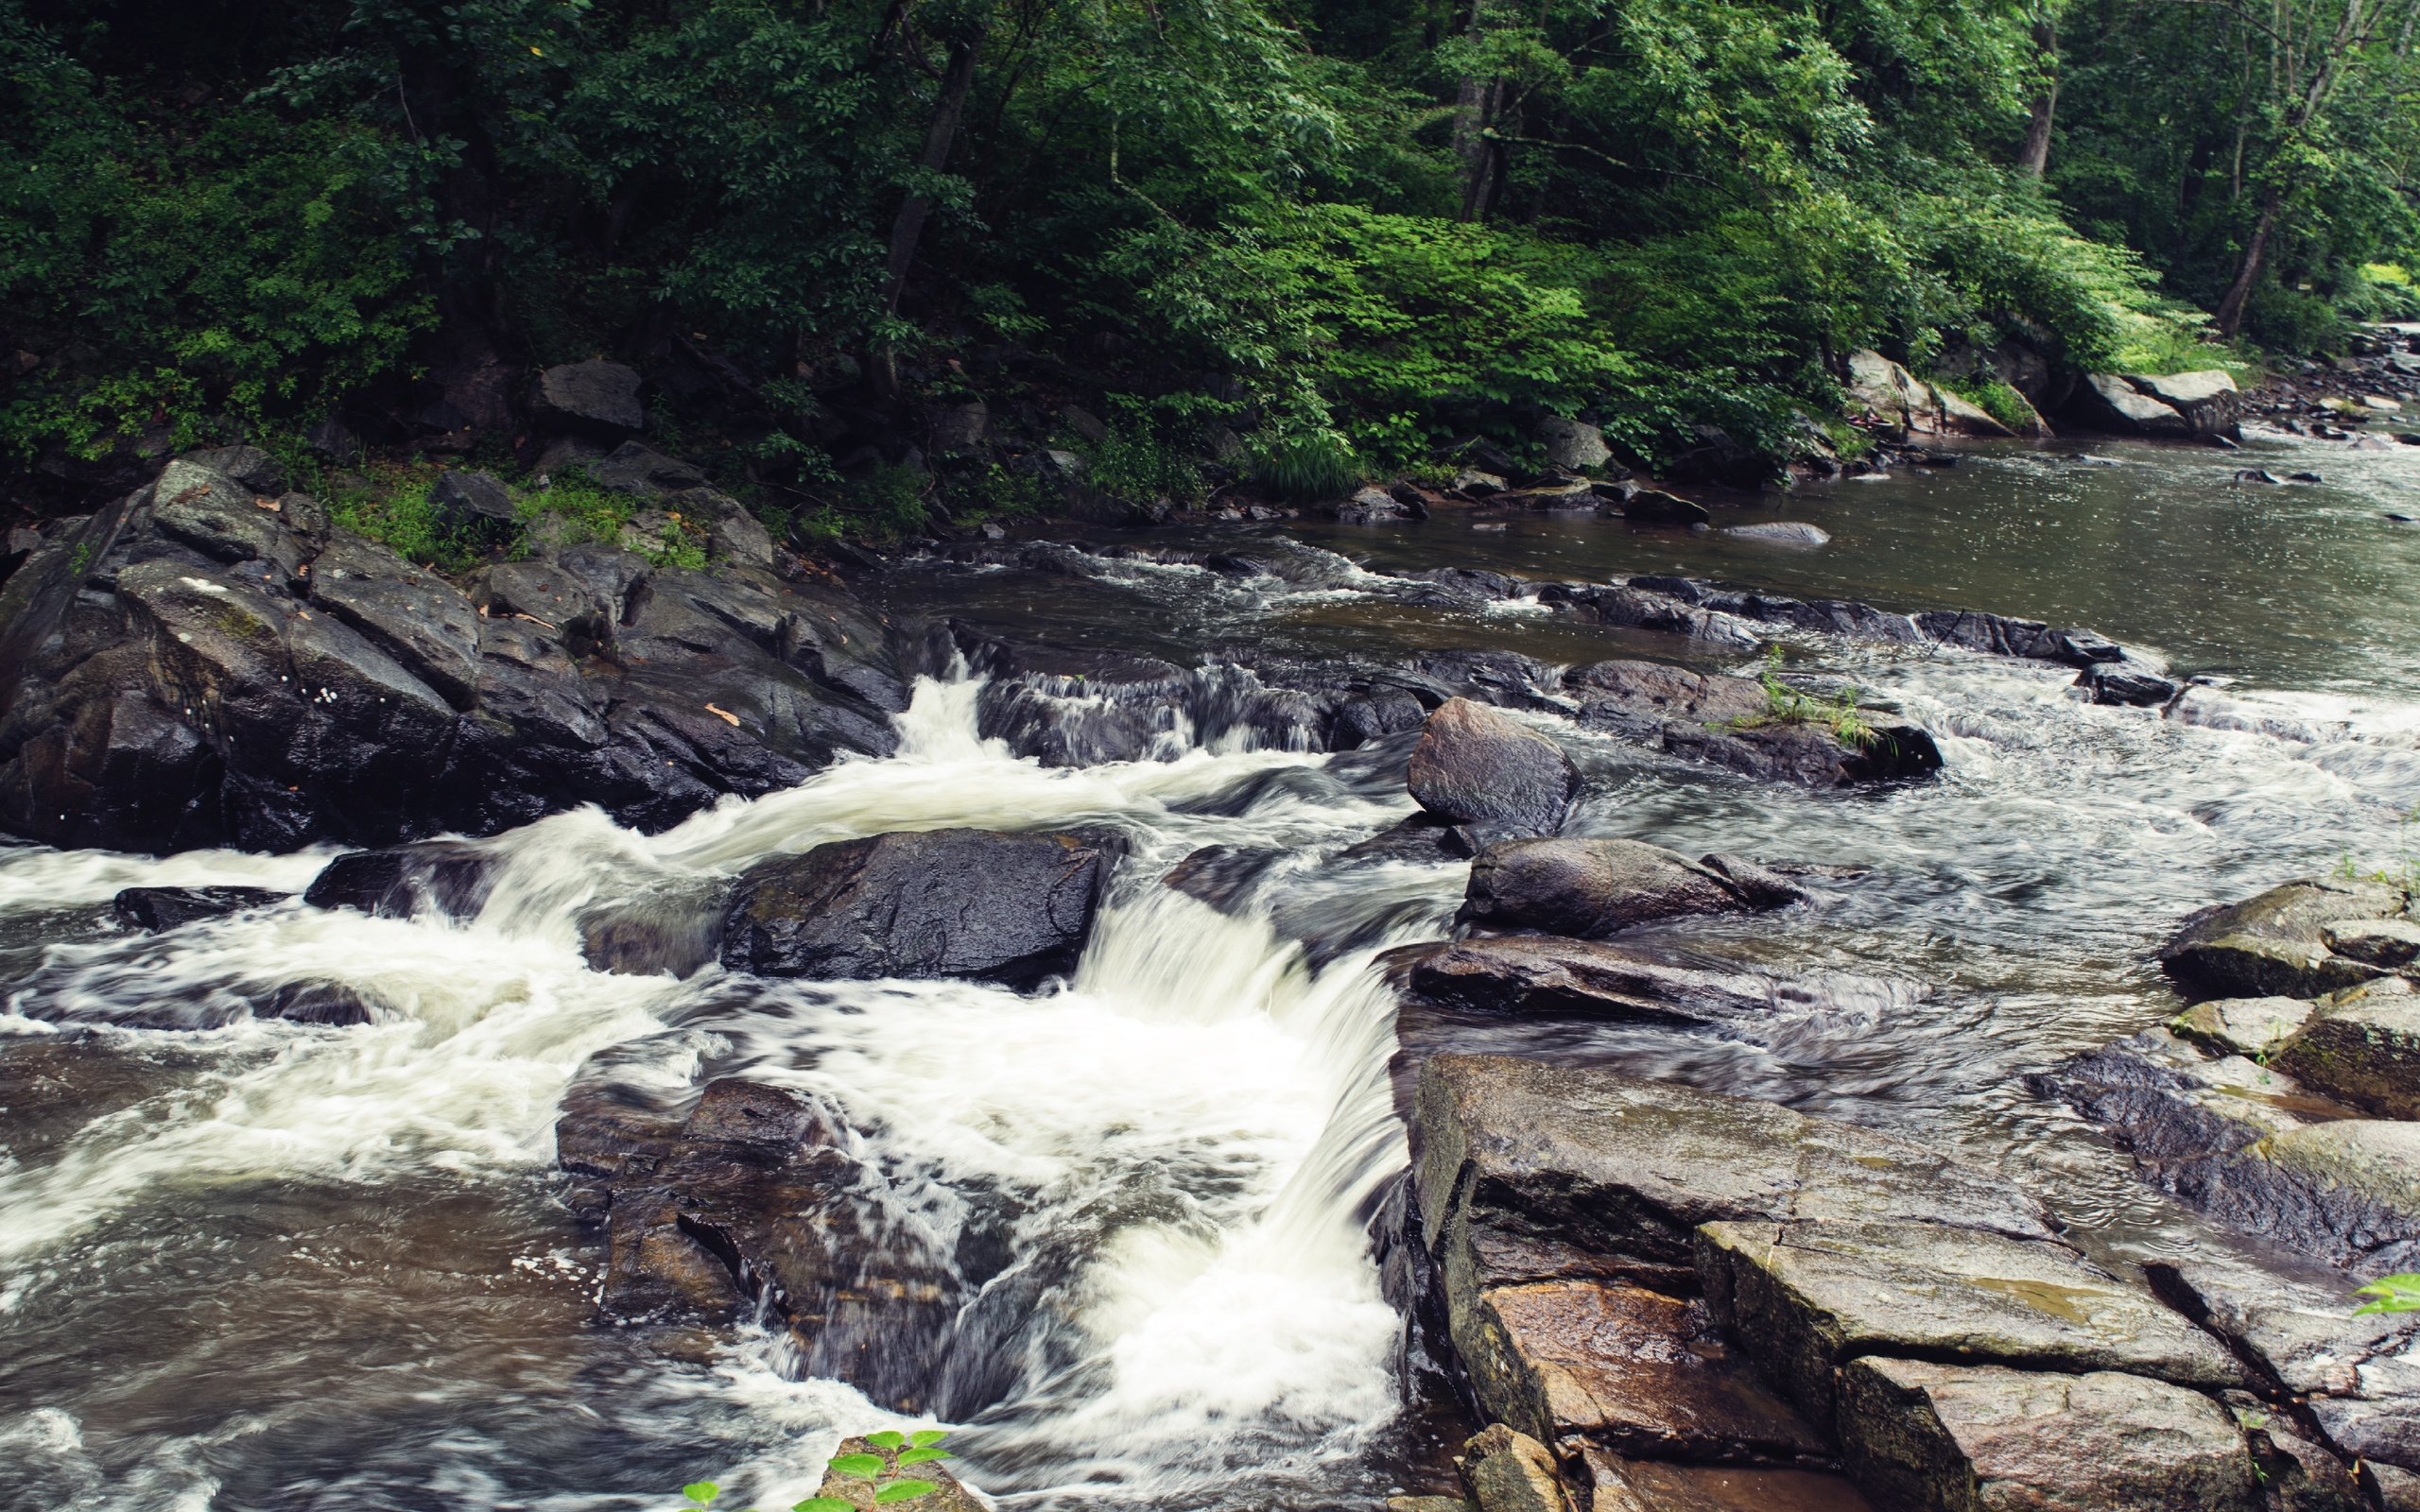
<point x="2248" y="272"/>
<point x="2035" y="155"/>
<point x="1474" y="108"/>
<point x="957" y="80"/>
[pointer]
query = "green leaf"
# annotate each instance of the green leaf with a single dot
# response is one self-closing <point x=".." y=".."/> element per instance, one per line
<point x="864" y="1467"/>
<point x="904" y="1492"/>
<point x="918" y="1456"/>
<point x="701" y="1493"/>
<point x="927" y="1437"/>
<point x="886" y="1439"/>
<point x="824" y="1504"/>
<point x="2392" y="1293"/>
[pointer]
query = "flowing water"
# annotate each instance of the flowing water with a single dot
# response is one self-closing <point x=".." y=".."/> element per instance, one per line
<point x="256" y="1264"/>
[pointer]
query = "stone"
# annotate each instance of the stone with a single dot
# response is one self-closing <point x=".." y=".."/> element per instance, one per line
<point x="1761" y="886"/>
<point x="1619" y="1484"/>
<point x="1590" y="888"/>
<point x="1009" y="908"/>
<point x="1925" y="1437"/>
<point x="1374" y="505"/>
<point x="1637" y="697"/>
<point x="1809" y="1297"/>
<point x="1628" y="1369"/>
<point x="1545" y="977"/>
<point x="447" y="879"/>
<point x="1810" y="754"/>
<point x="474" y="503"/>
<point x="427" y="624"/>
<point x="161" y="908"/>
<point x="595" y="398"/>
<point x="1509" y="1472"/>
<point x="1476" y="766"/>
<point x="1781" y="533"/>
<point x="1572" y="444"/>
<point x="638" y="469"/>
<point x="2208" y="399"/>
<point x="2103" y="401"/>
<point x="2297" y="1474"/>
<point x="1963" y="417"/>
<point x="2241" y="1026"/>
<point x="958" y="428"/>
<point x="948" y="1493"/>
<point x="2362" y="1049"/>
<point x="1654" y="506"/>
<point x="2393" y="1489"/>
<point x="2125" y="684"/>
<point x="248" y="465"/>
<point x="2382" y="942"/>
<point x="2274" y="945"/>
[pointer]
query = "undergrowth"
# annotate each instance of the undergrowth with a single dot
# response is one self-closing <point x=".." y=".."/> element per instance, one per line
<point x="1786" y="705"/>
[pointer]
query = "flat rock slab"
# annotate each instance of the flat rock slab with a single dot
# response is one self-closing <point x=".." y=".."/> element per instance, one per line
<point x="2363" y="1049"/>
<point x="2275" y="943"/>
<point x="2241" y="1026"/>
<point x="1628" y="1369"/>
<point x="1928" y="1437"/>
<point x="1477" y="766"/>
<point x="1009" y="908"/>
<point x="1619" y="1484"/>
<point x="1591" y="889"/>
<point x="1806" y="1298"/>
<point x="1545" y="974"/>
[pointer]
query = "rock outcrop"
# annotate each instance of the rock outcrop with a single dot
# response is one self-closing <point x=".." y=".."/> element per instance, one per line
<point x="2276" y="943"/>
<point x="2175" y="406"/>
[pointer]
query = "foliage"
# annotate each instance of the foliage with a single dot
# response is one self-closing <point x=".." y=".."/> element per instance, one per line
<point x="2390" y="1294"/>
<point x="1786" y="705"/>
<point x="892" y="1454"/>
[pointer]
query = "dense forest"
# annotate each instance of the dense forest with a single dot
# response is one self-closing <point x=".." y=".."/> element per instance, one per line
<point x="1304" y="239"/>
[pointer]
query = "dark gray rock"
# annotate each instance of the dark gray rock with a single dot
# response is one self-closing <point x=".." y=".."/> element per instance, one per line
<point x="1543" y="975"/>
<point x="1654" y="506"/>
<point x="1474" y="765"/>
<point x="596" y="399"/>
<point x="636" y="467"/>
<point x="475" y="505"/>
<point x="159" y="908"/>
<point x="1781" y="533"/>
<point x="2103" y="401"/>
<point x="1761" y="886"/>
<point x="248" y="465"/>
<point x="444" y="878"/>
<point x="1011" y="908"/>
<point x="1810" y="754"/>
<point x="2125" y="683"/>
<point x="426" y="623"/>
<point x="2274" y="945"/>
<point x="2361" y="1048"/>
<point x="1590" y="888"/>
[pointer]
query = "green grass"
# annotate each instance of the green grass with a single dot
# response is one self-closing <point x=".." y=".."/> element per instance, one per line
<point x="1786" y="705"/>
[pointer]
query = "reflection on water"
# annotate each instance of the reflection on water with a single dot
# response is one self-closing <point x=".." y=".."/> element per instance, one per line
<point x="276" y="1266"/>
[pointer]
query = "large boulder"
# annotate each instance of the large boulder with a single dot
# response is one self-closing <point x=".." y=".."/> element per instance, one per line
<point x="1926" y="1437"/>
<point x="1476" y="766"/>
<point x="1590" y="888"/>
<point x="2208" y="399"/>
<point x="2103" y="401"/>
<point x="596" y="399"/>
<point x="2276" y="944"/>
<point x="1572" y="444"/>
<point x="1009" y="908"/>
<point x="1812" y="754"/>
<point x="2363" y="1049"/>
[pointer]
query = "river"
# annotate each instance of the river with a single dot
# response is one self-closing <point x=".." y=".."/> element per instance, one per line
<point x="257" y="1264"/>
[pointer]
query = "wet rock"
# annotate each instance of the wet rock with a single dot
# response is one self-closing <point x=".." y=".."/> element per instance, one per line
<point x="1809" y="1297"/>
<point x="1810" y="755"/>
<point x="1644" y="609"/>
<point x="1010" y="908"/>
<point x="2297" y="1474"/>
<point x="2274" y="945"/>
<point x="1590" y="888"/>
<point x="426" y="623"/>
<point x="474" y="503"/>
<point x="1630" y="1369"/>
<point x="1619" y="1484"/>
<point x="2363" y="1049"/>
<point x="2209" y="400"/>
<point x="2127" y="684"/>
<point x="2389" y="1489"/>
<point x="674" y="930"/>
<point x="1474" y="765"/>
<point x="948" y="1494"/>
<point x="1637" y="697"/>
<point x="1762" y="887"/>
<point x="446" y="879"/>
<point x="2102" y="402"/>
<point x="639" y="469"/>
<point x="1654" y="506"/>
<point x="248" y="465"/>
<point x="161" y="908"/>
<point x="2253" y="1147"/>
<point x="1530" y="974"/>
<point x="2383" y="942"/>
<point x="1509" y="1472"/>
<point x="1999" y="635"/>
<point x="597" y="398"/>
<point x="2241" y="1026"/>
<point x="332" y="1005"/>
<point x="1375" y="506"/>
<point x="1781" y="533"/>
<point x="1947" y="1438"/>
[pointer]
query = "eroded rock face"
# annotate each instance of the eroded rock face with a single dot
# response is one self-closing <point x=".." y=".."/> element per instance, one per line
<point x="1009" y="908"/>
<point x="1590" y="888"/>
<point x="1476" y="766"/>
<point x="1925" y="1437"/>
<point x="2275" y="944"/>
<point x="2103" y="401"/>
<point x="2363" y="1050"/>
<point x="195" y="665"/>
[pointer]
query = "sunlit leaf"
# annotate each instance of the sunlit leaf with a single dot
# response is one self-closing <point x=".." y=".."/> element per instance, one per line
<point x="2392" y="1294"/>
<point x="888" y="1439"/>
<point x="864" y="1467"/>
<point x="918" y="1456"/>
<point x="701" y="1493"/>
<point x="927" y="1437"/>
<point x="824" y="1504"/>
<point x="904" y="1492"/>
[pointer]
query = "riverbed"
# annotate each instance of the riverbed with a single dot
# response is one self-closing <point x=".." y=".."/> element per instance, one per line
<point x="248" y="1263"/>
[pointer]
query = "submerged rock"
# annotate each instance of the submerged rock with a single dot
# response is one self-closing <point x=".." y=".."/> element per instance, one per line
<point x="444" y="878"/>
<point x="2127" y="684"/>
<point x="947" y="1495"/>
<point x="1478" y="767"/>
<point x="2241" y="1026"/>
<point x="1007" y="908"/>
<point x="162" y="909"/>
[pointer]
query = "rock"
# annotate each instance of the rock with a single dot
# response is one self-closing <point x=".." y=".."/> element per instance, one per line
<point x="2382" y="942"/>
<point x="446" y="879"/>
<point x="423" y="622"/>
<point x="637" y="468"/>
<point x="1011" y="908"/>
<point x="2274" y="945"/>
<point x="1781" y="533"/>
<point x="2125" y="683"/>
<point x="2255" y="475"/>
<point x="2363" y="1050"/>
<point x="1475" y="766"/>
<point x="1572" y="444"/>
<point x="1809" y="1297"/>
<point x="334" y="441"/>
<point x="248" y="465"/>
<point x="2298" y="1474"/>
<point x="1644" y="609"/>
<point x="1618" y="1485"/>
<point x="1429" y="1503"/>
<point x="2208" y="399"/>
<point x="1374" y="505"/>
<point x="2102" y="402"/>
<point x="1999" y="635"/>
<point x="1762" y="887"/>
<point x="948" y="1493"/>
<point x="957" y="429"/>
<point x="1962" y="417"/>
<point x="1654" y="506"/>
<point x="1590" y="888"/>
<point x="162" y="909"/>
<point x="2389" y="1489"/>
<point x="1810" y="755"/>
<point x="1508" y="1471"/>
<point x="2247" y="1145"/>
<point x="1543" y="975"/>
<point x="1639" y="697"/>
<point x="1628" y="1369"/>
<point x="474" y="503"/>
<point x="1951" y="1438"/>
<point x="597" y="397"/>
<point x="1088" y="426"/>
<point x="2241" y="1026"/>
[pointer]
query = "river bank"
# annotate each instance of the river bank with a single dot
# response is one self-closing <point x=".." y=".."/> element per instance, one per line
<point x="1140" y="1210"/>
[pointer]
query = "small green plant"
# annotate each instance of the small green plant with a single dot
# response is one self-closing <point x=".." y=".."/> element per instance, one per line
<point x="1303" y="464"/>
<point x="79" y="561"/>
<point x="889" y="501"/>
<point x="2390" y="1294"/>
<point x="883" y="1463"/>
<point x="1786" y="705"/>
